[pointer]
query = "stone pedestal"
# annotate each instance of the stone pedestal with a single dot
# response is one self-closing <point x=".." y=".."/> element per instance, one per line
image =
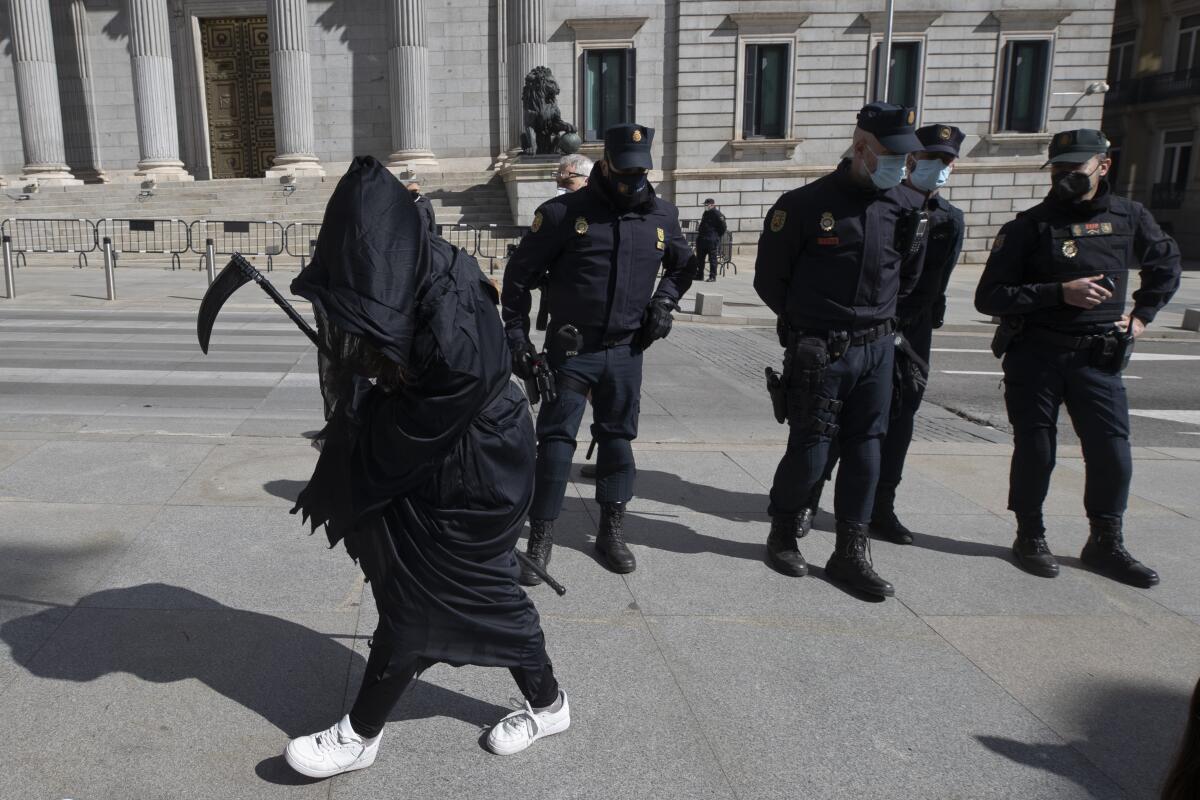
<point x="529" y="181"/>
<point x="154" y="91"/>
<point x="291" y="87"/>
<point x="38" y="102"/>
<point x="408" y="75"/>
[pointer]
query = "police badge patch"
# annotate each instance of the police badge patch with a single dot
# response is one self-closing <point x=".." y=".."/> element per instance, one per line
<point x="537" y="222"/>
<point x="778" y="220"/>
<point x="826" y="222"/>
<point x="662" y="235"/>
<point x="998" y="242"/>
<point x="581" y="226"/>
<point x="1070" y="249"/>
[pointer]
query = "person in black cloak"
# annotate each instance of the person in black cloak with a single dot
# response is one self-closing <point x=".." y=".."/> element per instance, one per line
<point x="426" y="466"/>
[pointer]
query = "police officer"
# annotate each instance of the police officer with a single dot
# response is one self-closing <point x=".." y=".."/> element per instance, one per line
<point x="1058" y="277"/>
<point x="708" y="238"/>
<point x="603" y="246"/>
<point x="920" y="312"/>
<point x="832" y="260"/>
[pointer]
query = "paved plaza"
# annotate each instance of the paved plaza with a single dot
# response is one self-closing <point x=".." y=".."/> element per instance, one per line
<point x="166" y="625"/>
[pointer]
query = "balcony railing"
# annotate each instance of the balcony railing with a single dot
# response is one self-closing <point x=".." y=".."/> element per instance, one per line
<point x="1148" y="89"/>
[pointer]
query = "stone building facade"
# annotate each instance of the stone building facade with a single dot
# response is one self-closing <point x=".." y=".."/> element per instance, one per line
<point x="1152" y="111"/>
<point x="749" y="97"/>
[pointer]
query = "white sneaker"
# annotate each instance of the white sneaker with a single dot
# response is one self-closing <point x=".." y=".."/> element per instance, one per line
<point x="522" y="728"/>
<point x="331" y="752"/>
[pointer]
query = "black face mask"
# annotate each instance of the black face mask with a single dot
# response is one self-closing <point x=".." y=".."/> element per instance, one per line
<point x="627" y="191"/>
<point x="1072" y="186"/>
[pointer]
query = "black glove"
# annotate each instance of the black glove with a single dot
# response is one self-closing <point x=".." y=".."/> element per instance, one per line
<point x="938" y="313"/>
<point x="523" y="356"/>
<point x="656" y="322"/>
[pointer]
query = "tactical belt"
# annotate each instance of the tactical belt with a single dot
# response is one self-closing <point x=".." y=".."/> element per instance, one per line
<point x="862" y="336"/>
<point x="1057" y="339"/>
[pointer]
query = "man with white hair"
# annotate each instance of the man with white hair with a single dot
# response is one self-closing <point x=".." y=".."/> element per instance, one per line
<point x="573" y="172"/>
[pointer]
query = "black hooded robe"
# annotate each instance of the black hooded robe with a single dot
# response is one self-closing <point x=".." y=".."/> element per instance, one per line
<point x="429" y="484"/>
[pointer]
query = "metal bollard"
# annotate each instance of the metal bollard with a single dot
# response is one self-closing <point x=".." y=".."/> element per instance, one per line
<point x="110" y="278"/>
<point x="210" y="260"/>
<point x="10" y="286"/>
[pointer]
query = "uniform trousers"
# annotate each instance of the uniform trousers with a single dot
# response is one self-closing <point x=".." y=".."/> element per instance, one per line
<point x="1038" y="378"/>
<point x="615" y="377"/>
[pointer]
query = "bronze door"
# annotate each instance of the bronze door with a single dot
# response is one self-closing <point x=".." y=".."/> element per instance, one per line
<point x="237" y="90"/>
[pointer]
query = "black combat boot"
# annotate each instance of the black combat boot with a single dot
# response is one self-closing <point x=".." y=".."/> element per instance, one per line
<point x="1105" y="552"/>
<point x="610" y="541"/>
<point x="851" y="561"/>
<point x="884" y="520"/>
<point x="1030" y="548"/>
<point x="808" y="514"/>
<point x="541" y="542"/>
<point x="782" y="553"/>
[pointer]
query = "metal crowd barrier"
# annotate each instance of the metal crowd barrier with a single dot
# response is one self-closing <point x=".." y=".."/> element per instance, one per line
<point x="50" y="236"/>
<point x="496" y="242"/>
<point x="461" y="235"/>
<point x="166" y="236"/>
<point x="248" y="237"/>
<point x="300" y="240"/>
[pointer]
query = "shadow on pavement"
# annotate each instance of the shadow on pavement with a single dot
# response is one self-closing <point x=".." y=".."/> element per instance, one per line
<point x="1130" y="733"/>
<point x="292" y="676"/>
<point x="285" y="489"/>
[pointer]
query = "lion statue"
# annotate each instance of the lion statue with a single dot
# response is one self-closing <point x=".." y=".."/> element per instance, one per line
<point x="545" y="131"/>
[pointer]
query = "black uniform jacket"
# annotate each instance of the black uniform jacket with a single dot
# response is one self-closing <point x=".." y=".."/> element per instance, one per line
<point x="428" y="484"/>
<point x="1055" y="242"/>
<point x="828" y="257"/>
<point x="943" y="246"/>
<point x="712" y="225"/>
<point x="602" y="264"/>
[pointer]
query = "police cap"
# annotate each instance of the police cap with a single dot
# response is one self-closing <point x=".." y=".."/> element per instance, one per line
<point x="628" y="146"/>
<point x="1074" y="147"/>
<point x="892" y="125"/>
<point x="941" y="139"/>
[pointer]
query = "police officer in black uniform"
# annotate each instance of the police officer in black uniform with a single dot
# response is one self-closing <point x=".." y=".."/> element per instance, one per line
<point x="603" y="246"/>
<point x="708" y="238"/>
<point x="920" y="312"/>
<point x="833" y="258"/>
<point x="1058" y="277"/>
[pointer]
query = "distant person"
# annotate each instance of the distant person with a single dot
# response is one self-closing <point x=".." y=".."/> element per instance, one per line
<point x="708" y="238"/>
<point x="573" y="173"/>
<point x="424" y="207"/>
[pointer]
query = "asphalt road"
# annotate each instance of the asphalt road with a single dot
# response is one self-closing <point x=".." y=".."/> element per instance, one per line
<point x="1162" y="381"/>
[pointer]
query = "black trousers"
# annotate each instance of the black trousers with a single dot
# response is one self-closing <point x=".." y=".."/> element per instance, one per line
<point x="708" y="248"/>
<point x="862" y="380"/>
<point x="385" y="680"/>
<point x="919" y="333"/>
<point x="615" y="375"/>
<point x="1038" y="378"/>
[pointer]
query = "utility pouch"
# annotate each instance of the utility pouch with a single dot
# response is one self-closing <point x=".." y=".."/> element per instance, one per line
<point x="777" y="389"/>
<point x="836" y="345"/>
<point x="1112" y="351"/>
<point x="1006" y="333"/>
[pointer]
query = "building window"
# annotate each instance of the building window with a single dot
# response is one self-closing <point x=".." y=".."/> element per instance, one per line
<point x="1187" y="56"/>
<point x="1026" y="79"/>
<point x="1176" y="158"/>
<point x="904" y="78"/>
<point x="609" y="90"/>
<point x="765" y="91"/>
<point x="1120" y="56"/>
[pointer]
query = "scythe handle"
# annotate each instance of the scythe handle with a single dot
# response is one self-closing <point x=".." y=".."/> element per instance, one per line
<point x="253" y="274"/>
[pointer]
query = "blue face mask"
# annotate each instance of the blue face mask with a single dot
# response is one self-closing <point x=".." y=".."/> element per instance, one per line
<point x="930" y="174"/>
<point x="889" y="171"/>
<point x="629" y="185"/>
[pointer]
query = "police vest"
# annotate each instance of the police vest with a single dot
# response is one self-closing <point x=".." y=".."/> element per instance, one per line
<point x="1071" y="246"/>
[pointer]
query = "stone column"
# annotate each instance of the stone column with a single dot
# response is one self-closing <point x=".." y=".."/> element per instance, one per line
<point x="37" y="94"/>
<point x="291" y="90"/>
<point x="79" y="129"/>
<point x="526" y="49"/>
<point x="154" y="91"/>
<point x="408" y="70"/>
